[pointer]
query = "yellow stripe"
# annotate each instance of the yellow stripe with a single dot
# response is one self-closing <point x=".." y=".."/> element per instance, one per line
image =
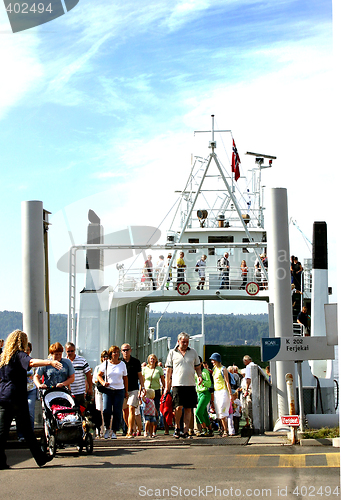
<point x="333" y="459"/>
<point x="291" y="461"/>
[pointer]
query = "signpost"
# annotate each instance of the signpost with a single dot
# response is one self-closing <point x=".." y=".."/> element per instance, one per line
<point x="293" y="420"/>
<point x="296" y="349"/>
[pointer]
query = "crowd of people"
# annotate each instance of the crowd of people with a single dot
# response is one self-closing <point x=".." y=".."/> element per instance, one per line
<point x="162" y="274"/>
<point x="186" y="394"/>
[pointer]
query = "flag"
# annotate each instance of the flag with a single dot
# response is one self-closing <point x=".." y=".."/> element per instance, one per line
<point x="235" y="161"/>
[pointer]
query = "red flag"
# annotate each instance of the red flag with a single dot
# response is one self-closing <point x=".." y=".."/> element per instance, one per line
<point x="235" y="161"/>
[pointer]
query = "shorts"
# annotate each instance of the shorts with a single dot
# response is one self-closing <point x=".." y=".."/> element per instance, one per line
<point x="132" y="400"/>
<point x="184" y="395"/>
<point x="222" y="403"/>
<point x="150" y="418"/>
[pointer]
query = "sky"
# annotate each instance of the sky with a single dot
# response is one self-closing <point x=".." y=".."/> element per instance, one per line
<point x="98" y="109"/>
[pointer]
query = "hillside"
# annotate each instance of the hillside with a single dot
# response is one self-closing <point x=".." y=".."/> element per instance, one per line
<point x="229" y="329"/>
<point x="10" y="320"/>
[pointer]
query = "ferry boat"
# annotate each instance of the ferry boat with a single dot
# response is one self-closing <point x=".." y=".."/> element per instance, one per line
<point x="216" y="217"/>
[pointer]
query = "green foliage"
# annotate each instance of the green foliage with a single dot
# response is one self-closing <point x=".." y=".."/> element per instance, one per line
<point x="220" y="329"/>
<point x="323" y="433"/>
<point x="10" y="320"/>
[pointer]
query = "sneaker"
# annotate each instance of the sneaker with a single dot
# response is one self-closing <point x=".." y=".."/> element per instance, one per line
<point x="153" y="435"/>
<point x="138" y="433"/>
<point x="210" y="433"/>
<point x="107" y="434"/>
<point x="113" y="435"/>
<point x="176" y="433"/>
<point x="146" y="434"/>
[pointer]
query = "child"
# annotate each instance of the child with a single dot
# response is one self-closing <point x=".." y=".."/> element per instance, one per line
<point x="237" y="411"/>
<point x="149" y="413"/>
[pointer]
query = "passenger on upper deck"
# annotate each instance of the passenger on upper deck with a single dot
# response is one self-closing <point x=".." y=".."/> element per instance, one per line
<point x="296" y="270"/>
<point x="169" y="276"/>
<point x="224" y="267"/>
<point x="244" y="271"/>
<point x="148" y="271"/>
<point x="181" y="266"/>
<point x="200" y="269"/>
<point x="160" y="270"/>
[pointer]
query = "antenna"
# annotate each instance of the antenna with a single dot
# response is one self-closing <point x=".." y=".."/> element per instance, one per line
<point x="212" y="144"/>
<point x="257" y="179"/>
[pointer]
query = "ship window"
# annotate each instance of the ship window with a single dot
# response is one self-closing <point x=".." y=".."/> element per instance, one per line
<point x="211" y="251"/>
<point x="220" y="239"/>
<point x="193" y="240"/>
<point x="192" y="250"/>
<point x="245" y="240"/>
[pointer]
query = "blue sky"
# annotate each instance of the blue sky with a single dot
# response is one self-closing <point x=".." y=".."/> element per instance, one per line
<point x="98" y="109"/>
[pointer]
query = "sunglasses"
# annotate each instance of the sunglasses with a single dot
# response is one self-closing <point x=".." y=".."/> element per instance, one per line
<point x="126" y="350"/>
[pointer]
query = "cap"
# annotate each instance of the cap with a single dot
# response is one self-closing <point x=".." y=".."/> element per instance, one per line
<point x="216" y="357"/>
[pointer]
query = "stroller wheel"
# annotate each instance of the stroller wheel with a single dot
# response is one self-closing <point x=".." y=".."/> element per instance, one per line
<point x="89" y="443"/>
<point x="52" y="446"/>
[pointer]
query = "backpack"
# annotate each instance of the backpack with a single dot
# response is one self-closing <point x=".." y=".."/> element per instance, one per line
<point x="232" y="380"/>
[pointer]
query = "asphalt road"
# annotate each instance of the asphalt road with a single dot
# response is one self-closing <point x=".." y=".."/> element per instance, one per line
<point x="167" y="469"/>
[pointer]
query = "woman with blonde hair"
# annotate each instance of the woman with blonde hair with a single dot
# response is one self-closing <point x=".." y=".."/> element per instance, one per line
<point x="14" y="364"/>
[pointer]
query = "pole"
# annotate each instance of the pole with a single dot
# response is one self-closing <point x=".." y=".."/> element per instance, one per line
<point x="289" y="379"/>
<point x="300" y="394"/>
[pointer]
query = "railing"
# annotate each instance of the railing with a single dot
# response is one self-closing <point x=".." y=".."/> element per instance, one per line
<point x="261" y="401"/>
<point x="140" y="280"/>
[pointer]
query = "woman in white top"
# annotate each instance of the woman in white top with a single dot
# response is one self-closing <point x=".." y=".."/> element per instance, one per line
<point x="113" y="376"/>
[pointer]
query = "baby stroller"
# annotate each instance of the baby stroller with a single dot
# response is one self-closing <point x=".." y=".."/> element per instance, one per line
<point x="63" y="422"/>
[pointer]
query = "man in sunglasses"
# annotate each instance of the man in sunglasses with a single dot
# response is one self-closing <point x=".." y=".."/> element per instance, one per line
<point x="83" y="377"/>
<point x="134" y="377"/>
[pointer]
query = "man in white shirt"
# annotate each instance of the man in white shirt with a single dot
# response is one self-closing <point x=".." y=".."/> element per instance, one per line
<point x="182" y="363"/>
<point x="247" y="394"/>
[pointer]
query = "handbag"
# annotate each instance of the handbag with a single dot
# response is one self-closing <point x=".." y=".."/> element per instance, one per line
<point x="101" y="388"/>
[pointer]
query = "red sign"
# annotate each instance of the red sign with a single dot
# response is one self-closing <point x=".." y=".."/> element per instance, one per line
<point x="183" y="288"/>
<point x="252" y="288"/>
<point x="293" y="420"/>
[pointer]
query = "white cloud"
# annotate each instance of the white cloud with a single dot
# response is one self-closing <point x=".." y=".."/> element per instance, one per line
<point x="20" y="66"/>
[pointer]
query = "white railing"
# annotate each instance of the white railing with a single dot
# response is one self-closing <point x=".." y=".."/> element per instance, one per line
<point x="140" y="280"/>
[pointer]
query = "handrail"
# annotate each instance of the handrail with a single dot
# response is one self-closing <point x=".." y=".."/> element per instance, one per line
<point x="261" y="401"/>
<point x="138" y="279"/>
